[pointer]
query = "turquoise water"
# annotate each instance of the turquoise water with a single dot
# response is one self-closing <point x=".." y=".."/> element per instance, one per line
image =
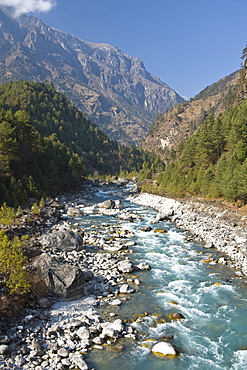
<point x="213" y="334"/>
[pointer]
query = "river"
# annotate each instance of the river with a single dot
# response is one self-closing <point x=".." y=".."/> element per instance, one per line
<point x="213" y="333"/>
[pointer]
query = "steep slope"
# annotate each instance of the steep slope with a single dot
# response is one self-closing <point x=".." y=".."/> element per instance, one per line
<point x="184" y="119"/>
<point x="114" y="89"/>
<point x="47" y="145"/>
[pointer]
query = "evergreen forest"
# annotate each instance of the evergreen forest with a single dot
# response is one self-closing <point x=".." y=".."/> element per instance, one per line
<point x="212" y="162"/>
<point x="48" y="146"/>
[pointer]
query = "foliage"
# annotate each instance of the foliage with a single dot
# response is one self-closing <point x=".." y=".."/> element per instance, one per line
<point x="48" y="146"/>
<point x="213" y="162"/>
<point x="7" y="215"/>
<point x="12" y="264"/>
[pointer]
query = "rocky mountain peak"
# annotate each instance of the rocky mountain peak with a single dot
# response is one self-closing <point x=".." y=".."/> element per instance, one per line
<point x="113" y="88"/>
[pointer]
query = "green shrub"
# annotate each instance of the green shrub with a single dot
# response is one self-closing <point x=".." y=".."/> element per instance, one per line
<point x="12" y="264"/>
<point x="7" y="215"/>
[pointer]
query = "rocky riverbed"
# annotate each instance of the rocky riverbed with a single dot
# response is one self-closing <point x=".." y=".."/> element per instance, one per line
<point x="216" y="226"/>
<point x="73" y="264"/>
<point x="88" y="275"/>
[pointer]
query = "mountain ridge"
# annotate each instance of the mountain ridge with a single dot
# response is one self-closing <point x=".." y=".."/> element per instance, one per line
<point x="111" y="87"/>
<point x="182" y="120"/>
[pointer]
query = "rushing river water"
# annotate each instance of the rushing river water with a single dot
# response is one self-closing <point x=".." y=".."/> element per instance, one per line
<point x="213" y="334"/>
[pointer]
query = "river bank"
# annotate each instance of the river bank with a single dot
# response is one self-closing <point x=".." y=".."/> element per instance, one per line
<point x="92" y="271"/>
<point x="217" y="227"/>
<point x="82" y="274"/>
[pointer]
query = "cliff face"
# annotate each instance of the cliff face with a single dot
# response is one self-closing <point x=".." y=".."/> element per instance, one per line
<point x="184" y="119"/>
<point x="113" y="88"/>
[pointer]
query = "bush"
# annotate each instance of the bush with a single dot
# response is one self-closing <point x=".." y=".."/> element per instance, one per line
<point x="7" y="215"/>
<point x="12" y="264"/>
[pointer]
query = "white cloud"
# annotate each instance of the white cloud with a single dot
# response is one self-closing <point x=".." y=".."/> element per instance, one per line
<point x="27" y="6"/>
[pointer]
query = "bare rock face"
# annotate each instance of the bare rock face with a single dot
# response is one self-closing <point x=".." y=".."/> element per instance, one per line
<point x="113" y="88"/>
<point x="62" y="279"/>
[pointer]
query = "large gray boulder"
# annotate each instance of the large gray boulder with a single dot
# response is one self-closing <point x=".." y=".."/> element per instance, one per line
<point x="61" y="279"/>
<point x="107" y="204"/>
<point x="61" y="239"/>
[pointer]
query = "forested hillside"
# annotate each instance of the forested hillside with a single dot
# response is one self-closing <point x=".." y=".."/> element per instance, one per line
<point x="212" y="162"/>
<point x="47" y="145"/>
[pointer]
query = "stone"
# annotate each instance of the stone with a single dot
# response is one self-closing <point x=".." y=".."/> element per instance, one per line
<point x="74" y="212"/>
<point x="96" y="346"/>
<point x="126" y="289"/>
<point x="61" y="279"/>
<point x="164" y="349"/>
<point x="146" y="228"/>
<point x="45" y="302"/>
<point x="63" y="352"/>
<point x="165" y="215"/>
<point x="176" y="316"/>
<point x="66" y="362"/>
<point x="4" y="339"/>
<point x="98" y="340"/>
<point x="62" y="239"/>
<point x="83" y="333"/>
<point x="36" y="344"/>
<point x="78" y="360"/>
<point x="143" y="266"/>
<point x="4" y="349"/>
<point x="107" y="204"/>
<point x="109" y="332"/>
<point x="117" y="325"/>
<point x="208" y="245"/>
<point x="116" y="302"/>
<point x="125" y="266"/>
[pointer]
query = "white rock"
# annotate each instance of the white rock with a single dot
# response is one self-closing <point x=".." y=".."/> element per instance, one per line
<point x="164" y="349"/>
<point x="83" y="333"/>
<point x="78" y="360"/>
<point x="115" y="302"/>
<point x="125" y="288"/>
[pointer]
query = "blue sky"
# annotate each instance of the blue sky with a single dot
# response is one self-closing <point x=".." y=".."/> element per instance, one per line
<point x="188" y="44"/>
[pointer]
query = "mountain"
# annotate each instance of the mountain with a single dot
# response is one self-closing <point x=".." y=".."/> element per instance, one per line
<point x="182" y="120"/>
<point x="111" y="87"/>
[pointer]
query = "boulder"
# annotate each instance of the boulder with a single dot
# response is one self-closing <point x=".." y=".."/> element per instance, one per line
<point x="146" y="228"/>
<point x="4" y="349"/>
<point x="107" y="204"/>
<point x="209" y="245"/>
<point x="115" y="302"/>
<point x="165" y="215"/>
<point x="62" y="239"/>
<point x="109" y="332"/>
<point x="83" y="333"/>
<point x="143" y="266"/>
<point x="77" y="359"/>
<point x="126" y="289"/>
<point x="125" y="266"/>
<point x="61" y="279"/>
<point x="164" y="349"/>
<point x="176" y="316"/>
<point x="74" y="212"/>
